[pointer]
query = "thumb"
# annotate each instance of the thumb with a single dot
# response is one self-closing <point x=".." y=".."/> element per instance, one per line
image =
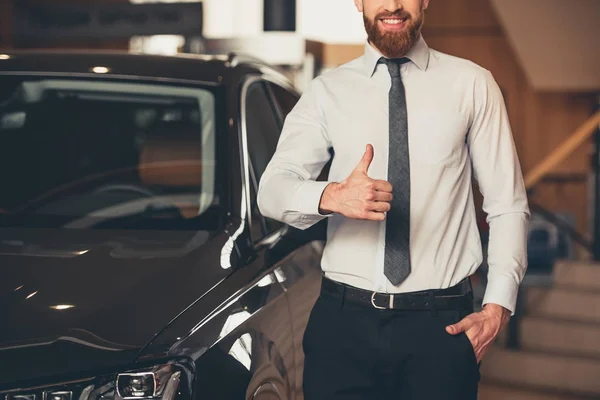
<point x="456" y="328"/>
<point x="365" y="162"/>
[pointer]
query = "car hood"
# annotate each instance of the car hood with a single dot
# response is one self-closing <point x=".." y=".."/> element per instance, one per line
<point x="74" y="301"/>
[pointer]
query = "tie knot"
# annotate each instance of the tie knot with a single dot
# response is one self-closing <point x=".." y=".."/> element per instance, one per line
<point x="393" y="65"/>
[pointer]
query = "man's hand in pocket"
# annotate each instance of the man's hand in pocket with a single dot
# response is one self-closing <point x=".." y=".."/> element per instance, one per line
<point x="482" y="327"/>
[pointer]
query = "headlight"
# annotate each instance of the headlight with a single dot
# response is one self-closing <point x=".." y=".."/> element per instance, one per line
<point x="161" y="382"/>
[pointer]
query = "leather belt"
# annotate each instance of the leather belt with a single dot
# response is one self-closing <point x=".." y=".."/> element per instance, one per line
<point x="458" y="297"/>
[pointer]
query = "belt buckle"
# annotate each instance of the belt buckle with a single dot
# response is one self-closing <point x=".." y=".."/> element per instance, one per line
<point x="379" y="307"/>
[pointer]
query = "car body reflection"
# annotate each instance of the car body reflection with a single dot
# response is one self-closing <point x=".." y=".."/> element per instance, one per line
<point x="130" y="238"/>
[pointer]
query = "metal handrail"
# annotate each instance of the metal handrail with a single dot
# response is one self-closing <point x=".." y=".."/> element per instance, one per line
<point x="535" y="176"/>
<point x="513" y="341"/>
<point x="562" y="225"/>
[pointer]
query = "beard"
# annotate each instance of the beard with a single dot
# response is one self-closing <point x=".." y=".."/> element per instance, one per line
<point x="394" y="44"/>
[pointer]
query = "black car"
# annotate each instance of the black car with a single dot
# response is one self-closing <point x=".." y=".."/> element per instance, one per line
<point x="134" y="261"/>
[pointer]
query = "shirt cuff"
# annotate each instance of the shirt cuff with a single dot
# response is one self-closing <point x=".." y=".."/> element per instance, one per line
<point x="502" y="290"/>
<point x="308" y="198"/>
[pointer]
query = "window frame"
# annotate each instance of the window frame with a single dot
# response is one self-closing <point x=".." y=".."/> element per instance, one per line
<point x="285" y="87"/>
<point x="248" y="175"/>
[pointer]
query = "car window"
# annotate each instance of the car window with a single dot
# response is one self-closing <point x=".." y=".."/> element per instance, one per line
<point x="263" y="127"/>
<point x="263" y="130"/>
<point x="285" y="99"/>
<point x="99" y="154"/>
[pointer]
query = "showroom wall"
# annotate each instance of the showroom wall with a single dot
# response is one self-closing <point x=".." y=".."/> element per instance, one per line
<point x="232" y="18"/>
<point x="540" y="120"/>
<point x="332" y="21"/>
<point x="465" y="28"/>
<point x="72" y="43"/>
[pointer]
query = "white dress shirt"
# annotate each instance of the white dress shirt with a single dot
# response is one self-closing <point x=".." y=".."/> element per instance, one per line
<point x="457" y="126"/>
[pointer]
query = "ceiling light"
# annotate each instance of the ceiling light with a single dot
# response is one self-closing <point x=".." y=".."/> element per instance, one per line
<point x="62" y="306"/>
<point x="100" y="70"/>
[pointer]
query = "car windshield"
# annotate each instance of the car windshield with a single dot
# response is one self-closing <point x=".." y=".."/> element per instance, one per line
<point x="89" y="154"/>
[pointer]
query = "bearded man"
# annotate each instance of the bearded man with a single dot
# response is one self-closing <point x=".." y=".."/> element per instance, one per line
<point x="410" y="127"/>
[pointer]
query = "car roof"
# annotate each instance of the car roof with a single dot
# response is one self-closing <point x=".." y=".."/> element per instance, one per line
<point x="190" y="67"/>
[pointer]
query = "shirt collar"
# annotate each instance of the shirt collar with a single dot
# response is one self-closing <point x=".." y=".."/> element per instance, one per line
<point x="418" y="54"/>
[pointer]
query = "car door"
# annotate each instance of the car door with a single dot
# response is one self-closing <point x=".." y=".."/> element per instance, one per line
<point x="294" y="254"/>
<point x="254" y="355"/>
<point x="299" y="251"/>
<point x="302" y="278"/>
<point x="260" y="337"/>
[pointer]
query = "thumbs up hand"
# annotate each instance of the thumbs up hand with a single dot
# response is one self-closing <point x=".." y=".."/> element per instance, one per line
<point x="358" y="196"/>
<point x="365" y="161"/>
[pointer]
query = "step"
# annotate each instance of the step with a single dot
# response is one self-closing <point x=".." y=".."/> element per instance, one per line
<point x="563" y="303"/>
<point x="577" y="274"/>
<point x="559" y="337"/>
<point x="539" y="371"/>
<point x="498" y="391"/>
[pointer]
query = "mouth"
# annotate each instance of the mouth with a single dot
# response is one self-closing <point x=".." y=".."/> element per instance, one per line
<point x="393" y="23"/>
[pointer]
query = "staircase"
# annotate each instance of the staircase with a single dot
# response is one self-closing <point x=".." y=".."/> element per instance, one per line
<point x="559" y="336"/>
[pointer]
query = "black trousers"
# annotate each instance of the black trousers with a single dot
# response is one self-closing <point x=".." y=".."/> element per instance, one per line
<point x="354" y="351"/>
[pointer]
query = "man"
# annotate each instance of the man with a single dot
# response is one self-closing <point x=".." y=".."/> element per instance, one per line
<point x="409" y="127"/>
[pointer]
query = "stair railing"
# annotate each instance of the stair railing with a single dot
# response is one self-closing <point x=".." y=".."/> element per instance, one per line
<point x="564" y="150"/>
<point x="580" y="136"/>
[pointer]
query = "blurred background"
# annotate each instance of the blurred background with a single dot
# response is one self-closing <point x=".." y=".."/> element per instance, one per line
<point x="543" y="53"/>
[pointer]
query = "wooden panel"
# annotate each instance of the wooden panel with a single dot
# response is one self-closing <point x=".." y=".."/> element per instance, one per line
<point x="460" y="14"/>
<point x="551" y="118"/>
<point x="332" y="55"/>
